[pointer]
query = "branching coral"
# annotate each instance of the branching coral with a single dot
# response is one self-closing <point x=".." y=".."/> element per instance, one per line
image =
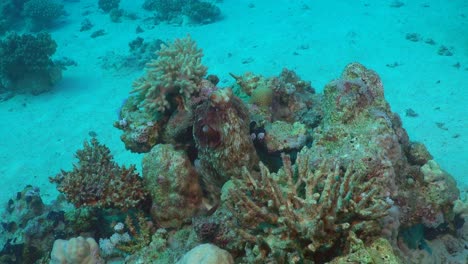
<point x="301" y="212"/>
<point x="176" y="73"/>
<point x="98" y="181"/>
<point x="26" y="64"/>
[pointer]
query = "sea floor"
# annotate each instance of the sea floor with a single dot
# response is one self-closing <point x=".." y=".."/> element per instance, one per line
<point x="40" y="134"/>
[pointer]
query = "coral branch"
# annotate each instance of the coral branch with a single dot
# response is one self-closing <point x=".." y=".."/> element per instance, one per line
<point x="311" y="210"/>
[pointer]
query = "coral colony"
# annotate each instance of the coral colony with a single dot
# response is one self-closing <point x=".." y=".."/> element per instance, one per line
<point x="263" y="171"/>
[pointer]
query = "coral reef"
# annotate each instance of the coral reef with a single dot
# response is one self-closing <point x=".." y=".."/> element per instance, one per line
<point x="350" y="192"/>
<point x="161" y="110"/>
<point x="312" y="210"/>
<point x="26" y="65"/>
<point x="77" y="250"/>
<point x="42" y="13"/>
<point x="265" y="171"/>
<point x="98" y="181"/>
<point x="177" y="72"/>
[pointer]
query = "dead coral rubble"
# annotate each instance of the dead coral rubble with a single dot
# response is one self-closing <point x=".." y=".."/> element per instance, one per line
<point x="98" y="181"/>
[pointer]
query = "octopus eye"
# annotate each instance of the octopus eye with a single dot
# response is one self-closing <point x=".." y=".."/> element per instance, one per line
<point x="207" y="136"/>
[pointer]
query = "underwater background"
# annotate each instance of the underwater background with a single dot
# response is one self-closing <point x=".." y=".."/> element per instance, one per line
<point x="95" y="50"/>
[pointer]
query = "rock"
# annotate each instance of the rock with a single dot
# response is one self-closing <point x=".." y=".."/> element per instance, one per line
<point x="206" y="254"/>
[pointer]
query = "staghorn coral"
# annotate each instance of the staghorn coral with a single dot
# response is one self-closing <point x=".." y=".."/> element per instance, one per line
<point x="172" y="78"/>
<point x="302" y="213"/>
<point x="98" y="181"/>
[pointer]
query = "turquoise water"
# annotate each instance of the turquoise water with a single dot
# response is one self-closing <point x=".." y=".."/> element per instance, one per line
<point x="418" y="48"/>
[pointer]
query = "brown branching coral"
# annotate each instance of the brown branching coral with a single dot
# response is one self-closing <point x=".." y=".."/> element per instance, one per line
<point x="98" y="181"/>
<point x="177" y="72"/>
<point x="301" y="212"/>
<point x="140" y="230"/>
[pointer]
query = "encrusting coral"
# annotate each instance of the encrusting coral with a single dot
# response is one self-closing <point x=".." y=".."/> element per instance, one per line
<point x="173" y="77"/>
<point x="302" y="212"/>
<point x="98" y="181"/>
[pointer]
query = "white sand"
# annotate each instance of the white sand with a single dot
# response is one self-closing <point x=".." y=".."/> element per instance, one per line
<point x="40" y="134"/>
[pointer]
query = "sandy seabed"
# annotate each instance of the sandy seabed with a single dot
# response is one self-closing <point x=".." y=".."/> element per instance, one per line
<point x="40" y="134"/>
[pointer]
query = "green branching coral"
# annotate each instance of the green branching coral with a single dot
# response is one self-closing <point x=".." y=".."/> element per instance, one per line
<point x="304" y="213"/>
<point x="98" y="181"/>
<point x="173" y="77"/>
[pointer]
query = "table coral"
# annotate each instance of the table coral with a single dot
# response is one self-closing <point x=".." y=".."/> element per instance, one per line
<point x="176" y="73"/>
<point x="98" y="181"/>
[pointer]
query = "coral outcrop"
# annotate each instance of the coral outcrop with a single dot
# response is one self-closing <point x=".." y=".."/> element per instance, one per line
<point x="271" y="171"/>
<point x="26" y="65"/>
<point x="221" y="133"/>
<point x="98" y="181"/>
<point x="173" y="186"/>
